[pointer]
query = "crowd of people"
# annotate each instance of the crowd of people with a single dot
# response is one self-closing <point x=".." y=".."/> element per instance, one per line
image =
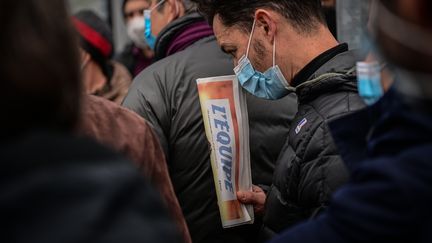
<point x="101" y="146"/>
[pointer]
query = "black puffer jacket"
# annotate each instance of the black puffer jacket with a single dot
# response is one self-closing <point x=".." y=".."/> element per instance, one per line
<point x="166" y="95"/>
<point x="309" y="167"/>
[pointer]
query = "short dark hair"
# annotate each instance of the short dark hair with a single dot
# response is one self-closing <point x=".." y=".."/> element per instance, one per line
<point x="39" y="67"/>
<point x="304" y="15"/>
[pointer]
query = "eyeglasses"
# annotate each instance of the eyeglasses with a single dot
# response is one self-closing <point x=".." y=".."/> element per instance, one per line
<point x="153" y="8"/>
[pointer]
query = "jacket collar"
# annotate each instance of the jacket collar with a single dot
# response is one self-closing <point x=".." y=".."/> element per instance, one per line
<point x="331" y="71"/>
<point x="317" y="63"/>
<point x="171" y="30"/>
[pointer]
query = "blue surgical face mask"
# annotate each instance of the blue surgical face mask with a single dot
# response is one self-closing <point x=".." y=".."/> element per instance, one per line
<point x="369" y="81"/>
<point x="270" y="85"/>
<point x="149" y="37"/>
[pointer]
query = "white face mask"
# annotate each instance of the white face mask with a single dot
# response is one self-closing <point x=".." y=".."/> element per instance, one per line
<point x="135" y="30"/>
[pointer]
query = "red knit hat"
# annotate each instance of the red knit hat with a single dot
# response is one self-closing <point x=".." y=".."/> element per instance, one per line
<point x="95" y="38"/>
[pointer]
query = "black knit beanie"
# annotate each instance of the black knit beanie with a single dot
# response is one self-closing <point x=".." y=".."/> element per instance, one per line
<point x="96" y="39"/>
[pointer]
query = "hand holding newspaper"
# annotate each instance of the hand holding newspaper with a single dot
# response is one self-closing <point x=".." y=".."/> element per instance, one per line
<point x="224" y="110"/>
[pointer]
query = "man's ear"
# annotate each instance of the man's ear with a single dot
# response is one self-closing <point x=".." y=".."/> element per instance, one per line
<point x="85" y="57"/>
<point x="266" y="22"/>
<point x="172" y="10"/>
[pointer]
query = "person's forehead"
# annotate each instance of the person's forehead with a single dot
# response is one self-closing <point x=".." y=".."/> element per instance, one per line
<point x="134" y="4"/>
<point x="328" y="2"/>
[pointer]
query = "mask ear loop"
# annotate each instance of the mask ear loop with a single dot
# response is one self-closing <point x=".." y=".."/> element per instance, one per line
<point x="157" y="5"/>
<point x="250" y="38"/>
<point x="274" y="52"/>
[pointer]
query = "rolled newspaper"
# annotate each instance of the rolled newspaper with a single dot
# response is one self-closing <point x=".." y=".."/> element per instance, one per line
<point x="224" y="111"/>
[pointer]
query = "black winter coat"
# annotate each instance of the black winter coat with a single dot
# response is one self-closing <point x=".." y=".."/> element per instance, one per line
<point x="309" y="167"/>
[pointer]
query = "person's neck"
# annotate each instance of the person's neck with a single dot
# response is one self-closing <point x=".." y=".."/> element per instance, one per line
<point x="93" y="79"/>
<point x="304" y="50"/>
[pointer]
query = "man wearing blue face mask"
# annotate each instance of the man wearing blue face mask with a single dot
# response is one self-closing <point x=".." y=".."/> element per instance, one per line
<point x="281" y="47"/>
<point x="166" y="95"/>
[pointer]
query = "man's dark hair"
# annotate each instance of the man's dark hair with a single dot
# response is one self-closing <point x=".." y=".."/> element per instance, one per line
<point x="304" y="15"/>
<point x="39" y="67"/>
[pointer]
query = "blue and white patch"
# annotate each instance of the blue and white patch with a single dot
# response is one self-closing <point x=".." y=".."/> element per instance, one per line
<point x="300" y="125"/>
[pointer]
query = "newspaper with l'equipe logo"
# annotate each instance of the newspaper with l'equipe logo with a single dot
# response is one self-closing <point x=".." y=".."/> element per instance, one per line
<point x="225" y="116"/>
